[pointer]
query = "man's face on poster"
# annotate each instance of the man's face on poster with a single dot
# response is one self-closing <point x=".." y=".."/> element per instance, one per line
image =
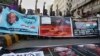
<point x="12" y="18"/>
<point x="61" y="51"/>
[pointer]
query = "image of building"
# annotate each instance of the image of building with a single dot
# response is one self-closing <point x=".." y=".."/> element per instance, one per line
<point x="60" y="7"/>
<point x="50" y="10"/>
<point x="85" y="8"/>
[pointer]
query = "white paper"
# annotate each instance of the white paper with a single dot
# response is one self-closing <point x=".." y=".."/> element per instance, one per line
<point x="39" y="53"/>
<point x="46" y="20"/>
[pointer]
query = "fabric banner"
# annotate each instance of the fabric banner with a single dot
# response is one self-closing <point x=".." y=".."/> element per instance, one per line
<point x="56" y="27"/>
<point x="85" y="27"/>
<point x="14" y="22"/>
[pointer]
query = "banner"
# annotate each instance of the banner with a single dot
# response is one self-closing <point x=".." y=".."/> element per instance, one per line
<point x="85" y="27"/>
<point x="56" y="27"/>
<point x="14" y="22"/>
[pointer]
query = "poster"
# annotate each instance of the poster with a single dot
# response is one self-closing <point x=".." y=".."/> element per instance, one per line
<point x="14" y="22"/>
<point x="46" y="20"/>
<point x="85" y="27"/>
<point x="56" y="27"/>
<point x="38" y="53"/>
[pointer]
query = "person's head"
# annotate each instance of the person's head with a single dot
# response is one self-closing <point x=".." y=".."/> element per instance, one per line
<point x="12" y="18"/>
<point x="62" y="51"/>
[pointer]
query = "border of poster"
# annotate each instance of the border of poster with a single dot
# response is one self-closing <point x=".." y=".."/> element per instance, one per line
<point x="56" y="26"/>
<point x="14" y="22"/>
<point x="85" y="27"/>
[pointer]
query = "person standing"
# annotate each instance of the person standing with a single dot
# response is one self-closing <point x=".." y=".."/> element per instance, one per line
<point x="0" y="14"/>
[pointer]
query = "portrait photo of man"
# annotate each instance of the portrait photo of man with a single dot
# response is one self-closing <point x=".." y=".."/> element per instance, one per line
<point x="12" y="18"/>
<point x="64" y="51"/>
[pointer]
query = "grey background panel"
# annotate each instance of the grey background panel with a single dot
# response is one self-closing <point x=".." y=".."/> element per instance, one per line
<point x="52" y="42"/>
